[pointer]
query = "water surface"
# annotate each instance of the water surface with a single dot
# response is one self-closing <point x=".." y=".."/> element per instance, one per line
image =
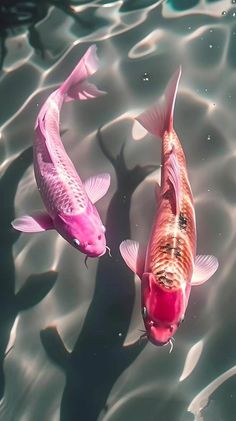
<point x="76" y="354"/>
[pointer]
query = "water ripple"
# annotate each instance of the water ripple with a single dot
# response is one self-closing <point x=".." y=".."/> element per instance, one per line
<point x="140" y="44"/>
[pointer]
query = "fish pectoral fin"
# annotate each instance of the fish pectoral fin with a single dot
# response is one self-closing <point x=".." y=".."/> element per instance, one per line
<point x="172" y="168"/>
<point x="132" y="255"/>
<point x="97" y="186"/>
<point x="36" y="222"/>
<point x="205" y="267"/>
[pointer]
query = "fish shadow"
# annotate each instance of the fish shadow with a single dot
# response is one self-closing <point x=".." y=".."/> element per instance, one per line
<point x="99" y="356"/>
<point x="35" y="287"/>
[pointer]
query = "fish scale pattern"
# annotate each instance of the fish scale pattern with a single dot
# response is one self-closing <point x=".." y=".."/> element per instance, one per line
<point x="60" y="186"/>
<point x="172" y="247"/>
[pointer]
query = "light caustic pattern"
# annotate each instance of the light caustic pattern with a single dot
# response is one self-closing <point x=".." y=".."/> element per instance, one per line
<point x="139" y="50"/>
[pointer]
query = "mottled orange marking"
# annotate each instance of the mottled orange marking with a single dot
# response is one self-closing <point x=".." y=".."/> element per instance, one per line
<point x="172" y="245"/>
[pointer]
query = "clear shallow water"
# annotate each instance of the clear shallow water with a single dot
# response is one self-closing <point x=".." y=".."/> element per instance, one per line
<point x="95" y="313"/>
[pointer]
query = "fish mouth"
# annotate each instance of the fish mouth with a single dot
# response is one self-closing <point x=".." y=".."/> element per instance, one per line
<point x="151" y="339"/>
<point x="157" y="342"/>
<point x="107" y="249"/>
<point x="94" y="255"/>
<point x="103" y="252"/>
<point x="159" y="334"/>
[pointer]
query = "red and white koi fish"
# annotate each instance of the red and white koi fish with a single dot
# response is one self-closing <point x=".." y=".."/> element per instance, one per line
<point x="69" y="202"/>
<point x="170" y="266"/>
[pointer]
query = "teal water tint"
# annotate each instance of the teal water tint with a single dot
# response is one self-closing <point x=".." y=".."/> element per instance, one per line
<point x="183" y="4"/>
<point x="187" y="4"/>
<point x="75" y="352"/>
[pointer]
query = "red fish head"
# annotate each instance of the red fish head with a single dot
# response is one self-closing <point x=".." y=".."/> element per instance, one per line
<point x="163" y="309"/>
<point x="84" y="231"/>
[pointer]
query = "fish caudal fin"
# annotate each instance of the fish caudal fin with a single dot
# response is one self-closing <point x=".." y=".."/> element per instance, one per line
<point x="159" y="118"/>
<point x="76" y="85"/>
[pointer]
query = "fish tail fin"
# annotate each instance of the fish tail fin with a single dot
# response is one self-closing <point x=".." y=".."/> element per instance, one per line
<point x="159" y="118"/>
<point x="76" y="85"/>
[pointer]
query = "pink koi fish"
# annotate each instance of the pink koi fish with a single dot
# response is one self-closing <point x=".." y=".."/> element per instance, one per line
<point x="170" y="265"/>
<point x="68" y="201"/>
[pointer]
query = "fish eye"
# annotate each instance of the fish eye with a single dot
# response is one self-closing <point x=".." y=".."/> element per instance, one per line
<point x="99" y="237"/>
<point x="75" y="242"/>
<point x="144" y="312"/>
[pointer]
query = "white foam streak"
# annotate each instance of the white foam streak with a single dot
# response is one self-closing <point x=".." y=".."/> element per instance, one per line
<point x="201" y="400"/>
<point x="139" y="391"/>
<point x="192" y="359"/>
<point x="12" y="336"/>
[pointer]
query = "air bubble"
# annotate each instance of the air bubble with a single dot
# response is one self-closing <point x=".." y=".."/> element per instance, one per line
<point x="209" y="137"/>
<point x="210" y="46"/>
<point x="145" y="77"/>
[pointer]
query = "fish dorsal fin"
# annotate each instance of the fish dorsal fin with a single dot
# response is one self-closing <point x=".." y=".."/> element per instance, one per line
<point x="130" y="251"/>
<point x="97" y="186"/>
<point x="173" y="174"/>
<point x="205" y="267"/>
<point x="159" y="118"/>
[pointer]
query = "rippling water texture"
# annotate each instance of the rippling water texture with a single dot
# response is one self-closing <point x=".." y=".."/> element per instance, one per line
<point x="74" y="352"/>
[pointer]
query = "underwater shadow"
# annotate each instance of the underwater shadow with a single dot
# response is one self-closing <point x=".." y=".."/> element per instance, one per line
<point x="17" y="15"/>
<point x="35" y="287"/>
<point x="99" y="356"/>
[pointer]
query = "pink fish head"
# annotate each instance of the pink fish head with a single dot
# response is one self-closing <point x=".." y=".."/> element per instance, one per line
<point x="84" y="231"/>
<point x="163" y="309"/>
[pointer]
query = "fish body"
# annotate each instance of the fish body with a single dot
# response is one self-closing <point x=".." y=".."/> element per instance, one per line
<point x="69" y="202"/>
<point x="169" y="266"/>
